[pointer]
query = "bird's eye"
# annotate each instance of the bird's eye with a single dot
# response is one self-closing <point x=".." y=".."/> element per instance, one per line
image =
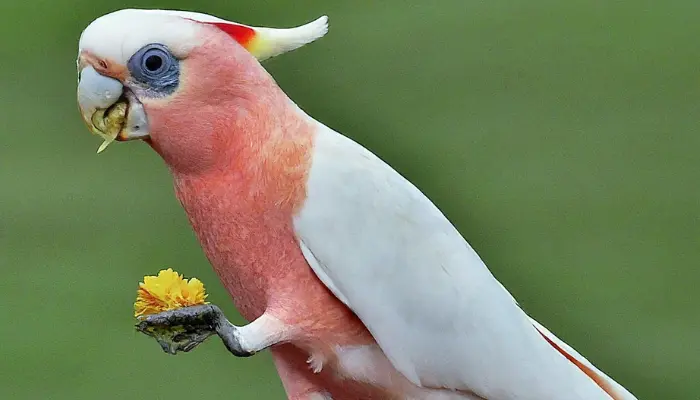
<point x="155" y="61"/>
<point x="155" y="69"/>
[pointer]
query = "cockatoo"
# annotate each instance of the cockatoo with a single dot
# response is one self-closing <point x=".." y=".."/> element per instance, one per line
<point x="332" y="254"/>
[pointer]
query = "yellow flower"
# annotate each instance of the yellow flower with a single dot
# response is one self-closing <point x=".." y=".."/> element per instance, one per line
<point x="167" y="291"/>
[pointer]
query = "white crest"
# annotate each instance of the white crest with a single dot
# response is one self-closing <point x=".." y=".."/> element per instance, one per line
<point x="120" y="34"/>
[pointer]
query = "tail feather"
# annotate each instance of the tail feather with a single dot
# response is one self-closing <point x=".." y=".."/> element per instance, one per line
<point x="614" y="389"/>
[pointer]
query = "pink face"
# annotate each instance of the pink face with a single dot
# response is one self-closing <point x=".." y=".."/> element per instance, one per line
<point x="187" y="102"/>
<point x="189" y="84"/>
<point x="221" y="89"/>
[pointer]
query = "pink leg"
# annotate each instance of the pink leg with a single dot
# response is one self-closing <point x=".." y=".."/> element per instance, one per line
<point x="301" y="383"/>
<point x="298" y="382"/>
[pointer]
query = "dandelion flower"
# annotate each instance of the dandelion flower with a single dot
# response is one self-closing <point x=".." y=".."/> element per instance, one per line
<point x="167" y="291"/>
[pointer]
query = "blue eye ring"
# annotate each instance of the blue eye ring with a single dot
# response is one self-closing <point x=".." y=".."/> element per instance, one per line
<point x="155" y="70"/>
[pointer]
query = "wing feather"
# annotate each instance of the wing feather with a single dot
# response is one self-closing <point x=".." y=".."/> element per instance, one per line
<point x="425" y="295"/>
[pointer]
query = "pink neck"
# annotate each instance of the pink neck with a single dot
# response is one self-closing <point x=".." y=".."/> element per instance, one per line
<point x="239" y="151"/>
<point x="241" y="209"/>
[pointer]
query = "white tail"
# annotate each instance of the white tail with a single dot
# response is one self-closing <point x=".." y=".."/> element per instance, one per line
<point x="614" y="389"/>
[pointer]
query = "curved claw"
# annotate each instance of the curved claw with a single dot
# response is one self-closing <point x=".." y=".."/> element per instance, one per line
<point x="185" y="328"/>
<point x="182" y="329"/>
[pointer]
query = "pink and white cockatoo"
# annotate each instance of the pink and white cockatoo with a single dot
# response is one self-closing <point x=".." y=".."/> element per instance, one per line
<point x="332" y="254"/>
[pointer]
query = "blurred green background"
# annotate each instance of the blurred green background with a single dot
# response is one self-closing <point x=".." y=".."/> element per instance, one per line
<point x="560" y="137"/>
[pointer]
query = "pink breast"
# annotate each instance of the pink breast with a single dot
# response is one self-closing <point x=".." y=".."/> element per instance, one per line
<point x="256" y="255"/>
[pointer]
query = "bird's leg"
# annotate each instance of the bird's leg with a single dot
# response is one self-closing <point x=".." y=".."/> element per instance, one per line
<point x="300" y="383"/>
<point x="319" y="396"/>
<point x="247" y="340"/>
<point x="185" y="328"/>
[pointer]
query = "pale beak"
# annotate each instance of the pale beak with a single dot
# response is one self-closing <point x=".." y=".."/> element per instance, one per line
<point x="110" y="110"/>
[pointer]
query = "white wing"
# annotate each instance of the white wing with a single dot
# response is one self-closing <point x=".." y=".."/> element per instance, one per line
<point x="427" y="298"/>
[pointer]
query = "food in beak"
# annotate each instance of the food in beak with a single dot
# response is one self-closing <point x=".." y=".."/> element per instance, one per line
<point x="109" y="122"/>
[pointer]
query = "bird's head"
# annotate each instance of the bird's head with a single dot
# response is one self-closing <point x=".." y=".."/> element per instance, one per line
<point x="179" y="80"/>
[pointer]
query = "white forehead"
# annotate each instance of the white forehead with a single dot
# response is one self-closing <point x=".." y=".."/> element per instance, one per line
<point x="118" y="35"/>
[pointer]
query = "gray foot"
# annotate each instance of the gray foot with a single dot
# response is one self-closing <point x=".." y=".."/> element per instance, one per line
<point x="185" y="328"/>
